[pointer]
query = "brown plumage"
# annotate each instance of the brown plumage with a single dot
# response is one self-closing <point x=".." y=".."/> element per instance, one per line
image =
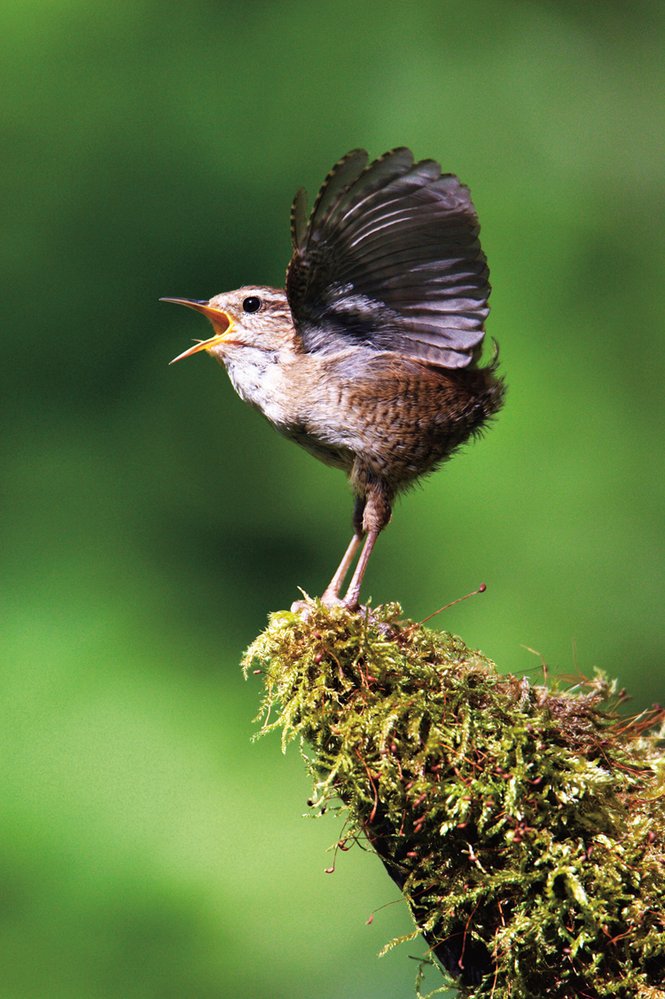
<point x="368" y="359"/>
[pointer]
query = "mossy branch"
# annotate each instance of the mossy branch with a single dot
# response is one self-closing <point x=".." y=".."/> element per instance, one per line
<point x="524" y="824"/>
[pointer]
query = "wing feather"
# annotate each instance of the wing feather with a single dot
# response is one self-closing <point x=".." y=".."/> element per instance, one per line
<point x="390" y="258"/>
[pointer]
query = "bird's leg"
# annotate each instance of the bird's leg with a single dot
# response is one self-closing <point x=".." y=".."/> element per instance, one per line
<point x="352" y="596"/>
<point x="375" y="512"/>
<point x="330" y="595"/>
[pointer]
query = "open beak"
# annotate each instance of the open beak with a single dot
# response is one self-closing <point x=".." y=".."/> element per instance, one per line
<point x="221" y="323"/>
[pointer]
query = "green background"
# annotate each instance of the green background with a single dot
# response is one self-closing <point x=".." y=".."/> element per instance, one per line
<point x="151" y="520"/>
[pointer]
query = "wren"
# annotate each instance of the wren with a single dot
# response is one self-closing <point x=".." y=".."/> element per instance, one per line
<point x="369" y="359"/>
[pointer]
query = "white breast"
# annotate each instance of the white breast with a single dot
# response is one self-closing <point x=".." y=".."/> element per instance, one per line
<point x="259" y="381"/>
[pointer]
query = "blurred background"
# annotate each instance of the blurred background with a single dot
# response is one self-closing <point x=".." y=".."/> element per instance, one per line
<point x="151" y="520"/>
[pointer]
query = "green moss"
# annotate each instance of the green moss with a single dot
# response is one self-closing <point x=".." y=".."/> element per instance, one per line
<point x="524" y="824"/>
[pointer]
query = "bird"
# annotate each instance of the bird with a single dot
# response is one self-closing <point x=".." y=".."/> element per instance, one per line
<point x="369" y="358"/>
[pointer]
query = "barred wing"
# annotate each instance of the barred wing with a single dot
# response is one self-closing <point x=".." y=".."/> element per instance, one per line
<point x="389" y="258"/>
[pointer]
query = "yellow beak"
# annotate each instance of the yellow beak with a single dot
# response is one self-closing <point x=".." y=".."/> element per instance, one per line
<point x="222" y="324"/>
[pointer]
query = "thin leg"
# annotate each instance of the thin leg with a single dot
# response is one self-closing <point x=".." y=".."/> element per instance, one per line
<point x="352" y="596"/>
<point x="331" y="593"/>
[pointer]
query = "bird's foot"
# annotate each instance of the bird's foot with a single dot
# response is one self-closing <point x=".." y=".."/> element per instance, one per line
<point x="301" y="607"/>
<point x="328" y="599"/>
<point x="305" y="608"/>
<point x="349" y="602"/>
<point x="331" y="599"/>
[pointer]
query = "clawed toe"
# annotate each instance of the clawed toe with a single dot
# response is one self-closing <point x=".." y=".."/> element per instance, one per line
<point x="305" y="607"/>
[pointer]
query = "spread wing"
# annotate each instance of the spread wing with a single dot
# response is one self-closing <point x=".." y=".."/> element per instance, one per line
<point x="389" y="258"/>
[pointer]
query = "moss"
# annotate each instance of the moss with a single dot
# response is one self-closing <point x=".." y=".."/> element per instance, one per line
<point x="523" y="823"/>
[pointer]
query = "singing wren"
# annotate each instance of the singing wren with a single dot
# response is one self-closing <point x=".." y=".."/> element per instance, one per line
<point x="369" y="358"/>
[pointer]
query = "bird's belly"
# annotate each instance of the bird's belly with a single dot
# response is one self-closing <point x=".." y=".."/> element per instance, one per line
<point x="326" y="450"/>
<point x="397" y="450"/>
<point x="395" y="421"/>
<point x="397" y="427"/>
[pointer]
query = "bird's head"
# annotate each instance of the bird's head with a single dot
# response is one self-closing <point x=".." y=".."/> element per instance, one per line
<point x="248" y="320"/>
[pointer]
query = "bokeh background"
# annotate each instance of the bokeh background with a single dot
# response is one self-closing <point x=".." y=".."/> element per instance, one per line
<point x="151" y="521"/>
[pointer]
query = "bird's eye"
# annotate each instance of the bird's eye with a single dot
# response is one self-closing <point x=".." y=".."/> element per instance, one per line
<point x="252" y="304"/>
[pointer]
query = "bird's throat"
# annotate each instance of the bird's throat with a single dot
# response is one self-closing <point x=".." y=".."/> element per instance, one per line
<point x="257" y="377"/>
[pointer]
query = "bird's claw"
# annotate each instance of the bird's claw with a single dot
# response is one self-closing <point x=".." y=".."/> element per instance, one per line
<point x="330" y="600"/>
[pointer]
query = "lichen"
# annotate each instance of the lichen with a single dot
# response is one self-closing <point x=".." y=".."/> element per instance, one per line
<point x="524" y="823"/>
